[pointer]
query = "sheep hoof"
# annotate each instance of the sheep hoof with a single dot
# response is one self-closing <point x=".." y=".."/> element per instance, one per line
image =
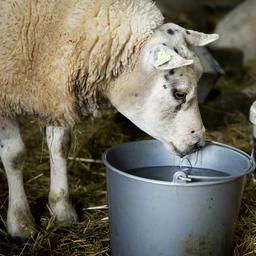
<point x="20" y="225"/>
<point x="64" y="213"/>
<point x="21" y="239"/>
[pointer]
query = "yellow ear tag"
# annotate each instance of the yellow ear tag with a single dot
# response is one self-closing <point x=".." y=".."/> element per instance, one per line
<point x="162" y="58"/>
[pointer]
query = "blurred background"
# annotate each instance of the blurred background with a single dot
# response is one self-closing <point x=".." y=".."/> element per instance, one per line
<point x="226" y="91"/>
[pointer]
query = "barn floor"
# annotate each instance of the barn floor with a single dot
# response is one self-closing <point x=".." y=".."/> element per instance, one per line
<point x="225" y="116"/>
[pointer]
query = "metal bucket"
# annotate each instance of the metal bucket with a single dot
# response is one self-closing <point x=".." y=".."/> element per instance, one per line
<point x="162" y="215"/>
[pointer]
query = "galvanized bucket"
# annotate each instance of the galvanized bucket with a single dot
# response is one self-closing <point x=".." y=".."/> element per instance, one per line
<point x="174" y="213"/>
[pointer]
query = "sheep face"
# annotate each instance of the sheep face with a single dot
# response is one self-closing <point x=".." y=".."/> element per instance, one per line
<point x="160" y="94"/>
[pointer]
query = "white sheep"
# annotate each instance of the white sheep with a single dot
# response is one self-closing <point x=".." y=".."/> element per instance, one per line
<point x="61" y="60"/>
<point x="237" y="30"/>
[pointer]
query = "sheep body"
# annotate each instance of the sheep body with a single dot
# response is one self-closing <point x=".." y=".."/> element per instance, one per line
<point x="58" y="57"/>
<point x="237" y="30"/>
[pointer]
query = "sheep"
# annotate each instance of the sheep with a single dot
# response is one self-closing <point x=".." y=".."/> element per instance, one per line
<point x="62" y="61"/>
<point x="237" y="30"/>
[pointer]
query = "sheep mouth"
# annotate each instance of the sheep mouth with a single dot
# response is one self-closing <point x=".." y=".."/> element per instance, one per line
<point x="174" y="150"/>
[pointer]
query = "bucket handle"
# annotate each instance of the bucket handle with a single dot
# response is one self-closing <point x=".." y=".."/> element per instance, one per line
<point x="181" y="177"/>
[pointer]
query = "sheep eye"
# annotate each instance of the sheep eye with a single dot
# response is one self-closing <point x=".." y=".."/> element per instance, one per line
<point x="180" y="95"/>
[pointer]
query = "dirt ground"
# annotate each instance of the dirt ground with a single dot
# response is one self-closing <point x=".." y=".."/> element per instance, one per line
<point x="225" y="114"/>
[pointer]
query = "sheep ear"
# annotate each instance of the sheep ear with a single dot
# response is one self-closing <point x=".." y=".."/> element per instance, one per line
<point x="199" y="39"/>
<point x="165" y="58"/>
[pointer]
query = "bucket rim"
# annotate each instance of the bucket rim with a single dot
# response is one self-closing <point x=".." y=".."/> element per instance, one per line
<point x="109" y="166"/>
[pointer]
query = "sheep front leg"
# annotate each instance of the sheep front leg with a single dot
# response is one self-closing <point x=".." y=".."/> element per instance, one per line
<point x="58" y="141"/>
<point x="20" y="223"/>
